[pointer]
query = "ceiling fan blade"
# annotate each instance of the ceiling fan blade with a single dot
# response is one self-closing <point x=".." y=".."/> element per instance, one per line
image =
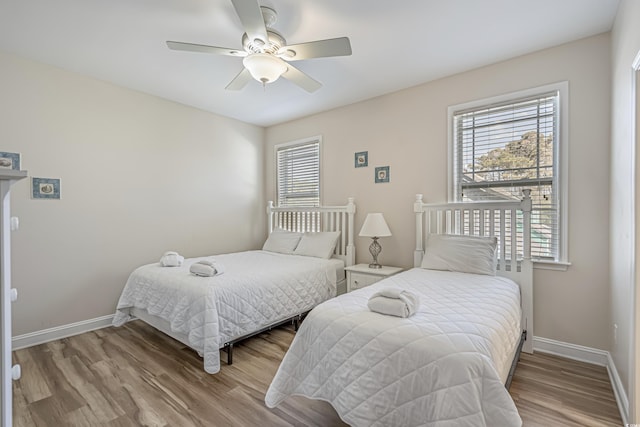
<point x="301" y="79"/>
<point x="316" y="49"/>
<point x="203" y="48"/>
<point x="250" y="15"/>
<point x="240" y="80"/>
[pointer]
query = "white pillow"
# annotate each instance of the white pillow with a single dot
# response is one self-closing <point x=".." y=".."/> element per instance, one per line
<point x="466" y="254"/>
<point x="282" y="241"/>
<point x="320" y="245"/>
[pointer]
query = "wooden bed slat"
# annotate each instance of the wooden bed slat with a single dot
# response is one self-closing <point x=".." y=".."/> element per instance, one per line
<point x="513" y="235"/>
<point x="503" y="245"/>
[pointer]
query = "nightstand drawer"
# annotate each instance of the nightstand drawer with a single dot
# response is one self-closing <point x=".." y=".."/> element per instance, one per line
<point x="360" y="276"/>
<point x="359" y="280"/>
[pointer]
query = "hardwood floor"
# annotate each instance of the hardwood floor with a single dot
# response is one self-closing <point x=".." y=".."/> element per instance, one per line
<point x="553" y="391"/>
<point x="133" y="375"/>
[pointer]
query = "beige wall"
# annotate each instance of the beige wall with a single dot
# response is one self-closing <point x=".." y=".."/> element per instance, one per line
<point x="407" y="130"/>
<point x="625" y="47"/>
<point x="140" y="175"/>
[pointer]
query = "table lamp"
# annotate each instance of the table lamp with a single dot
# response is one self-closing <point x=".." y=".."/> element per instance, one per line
<point x="375" y="226"/>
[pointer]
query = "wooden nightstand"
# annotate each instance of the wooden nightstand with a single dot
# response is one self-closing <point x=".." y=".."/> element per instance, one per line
<point x="360" y="275"/>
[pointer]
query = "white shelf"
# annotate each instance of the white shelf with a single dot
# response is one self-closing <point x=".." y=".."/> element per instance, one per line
<point x="11" y="174"/>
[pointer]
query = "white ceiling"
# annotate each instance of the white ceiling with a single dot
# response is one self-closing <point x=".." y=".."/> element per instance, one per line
<point x="396" y="44"/>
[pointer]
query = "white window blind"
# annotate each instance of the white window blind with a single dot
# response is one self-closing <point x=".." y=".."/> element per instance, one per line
<point x="501" y="149"/>
<point x="298" y="174"/>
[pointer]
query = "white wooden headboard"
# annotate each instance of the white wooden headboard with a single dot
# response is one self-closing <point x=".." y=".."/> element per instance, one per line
<point x="509" y="221"/>
<point x="322" y="218"/>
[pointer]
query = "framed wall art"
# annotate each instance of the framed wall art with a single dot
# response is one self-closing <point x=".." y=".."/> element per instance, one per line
<point x="362" y="159"/>
<point x="45" y="188"/>
<point x="382" y="174"/>
<point x="9" y="160"/>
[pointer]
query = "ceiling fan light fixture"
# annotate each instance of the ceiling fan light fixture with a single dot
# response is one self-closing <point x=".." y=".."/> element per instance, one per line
<point x="265" y="51"/>
<point x="264" y="67"/>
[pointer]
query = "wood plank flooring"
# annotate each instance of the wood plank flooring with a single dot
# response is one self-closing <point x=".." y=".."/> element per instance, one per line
<point x="134" y="375"/>
<point x="553" y="391"/>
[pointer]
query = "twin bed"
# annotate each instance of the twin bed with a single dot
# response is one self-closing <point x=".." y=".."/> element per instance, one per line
<point x="448" y="364"/>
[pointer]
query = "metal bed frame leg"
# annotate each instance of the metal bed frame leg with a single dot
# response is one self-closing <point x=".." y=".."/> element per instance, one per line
<point x="296" y="322"/>
<point x="229" y="348"/>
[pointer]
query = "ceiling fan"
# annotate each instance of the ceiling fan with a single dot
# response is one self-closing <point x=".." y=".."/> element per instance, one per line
<point x="266" y="55"/>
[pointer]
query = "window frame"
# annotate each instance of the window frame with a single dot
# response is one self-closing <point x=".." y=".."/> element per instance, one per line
<point x="561" y="164"/>
<point x="285" y="145"/>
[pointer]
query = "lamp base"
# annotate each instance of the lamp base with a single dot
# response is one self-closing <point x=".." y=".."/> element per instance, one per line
<point x="375" y="250"/>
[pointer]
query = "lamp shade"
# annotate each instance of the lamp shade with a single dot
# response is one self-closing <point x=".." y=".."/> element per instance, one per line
<point x="264" y="67"/>
<point x="375" y="226"/>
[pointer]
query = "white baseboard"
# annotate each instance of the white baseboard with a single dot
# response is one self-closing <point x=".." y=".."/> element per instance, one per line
<point x="571" y="351"/>
<point x="589" y="355"/>
<point x="618" y="391"/>
<point x="51" y="334"/>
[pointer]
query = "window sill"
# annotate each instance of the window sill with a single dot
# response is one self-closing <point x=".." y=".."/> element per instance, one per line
<point x="551" y="265"/>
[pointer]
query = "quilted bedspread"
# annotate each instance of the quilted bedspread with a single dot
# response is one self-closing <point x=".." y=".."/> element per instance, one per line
<point x="444" y="366"/>
<point x="257" y="288"/>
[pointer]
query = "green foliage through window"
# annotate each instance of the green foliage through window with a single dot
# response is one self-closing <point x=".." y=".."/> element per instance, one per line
<point x="501" y="150"/>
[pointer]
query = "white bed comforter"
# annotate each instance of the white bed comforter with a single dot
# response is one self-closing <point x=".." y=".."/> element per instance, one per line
<point x="444" y="366"/>
<point x="257" y="288"/>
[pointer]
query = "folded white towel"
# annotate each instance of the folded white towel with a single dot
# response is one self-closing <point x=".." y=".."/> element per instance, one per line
<point x="206" y="268"/>
<point x="390" y="293"/>
<point x="394" y="302"/>
<point x="171" y="259"/>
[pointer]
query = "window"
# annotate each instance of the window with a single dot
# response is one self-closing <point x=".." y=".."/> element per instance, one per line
<point x="504" y="145"/>
<point x="298" y="173"/>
